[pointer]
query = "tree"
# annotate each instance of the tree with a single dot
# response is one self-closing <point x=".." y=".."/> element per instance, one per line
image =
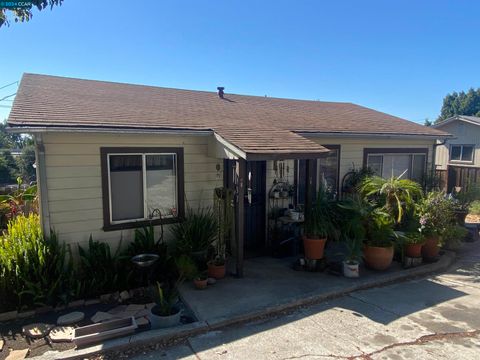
<point x="428" y="122"/>
<point x="10" y="140"/>
<point x="8" y="168"/>
<point x="462" y="103"/>
<point x="23" y="12"/>
<point x="25" y="164"/>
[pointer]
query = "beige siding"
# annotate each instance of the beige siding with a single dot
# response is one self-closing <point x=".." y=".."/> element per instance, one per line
<point x="465" y="134"/>
<point x="74" y="179"/>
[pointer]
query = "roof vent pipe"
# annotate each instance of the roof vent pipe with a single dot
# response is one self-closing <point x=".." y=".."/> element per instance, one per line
<point x="220" y="91"/>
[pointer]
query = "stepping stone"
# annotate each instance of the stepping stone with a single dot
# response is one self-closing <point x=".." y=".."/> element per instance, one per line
<point x="101" y="316"/>
<point x="36" y="331"/>
<point x="126" y="314"/>
<point x="150" y="305"/>
<point x="61" y="334"/>
<point x="143" y="321"/>
<point x="124" y="295"/>
<point x="141" y="313"/>
<point x="135" y="307"/>
<point x="17" y="354"/>
<point x="117" y="309"/>
<point x="71" y="318"/>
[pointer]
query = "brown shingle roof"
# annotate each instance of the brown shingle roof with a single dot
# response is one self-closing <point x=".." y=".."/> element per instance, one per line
<point x="252" y="123"/>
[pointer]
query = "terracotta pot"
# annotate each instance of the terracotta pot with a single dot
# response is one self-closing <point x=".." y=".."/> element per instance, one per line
<point x="378" y="258"/>
<point x="313" y="248"/>
<point x="430" y="249"/>
<point x="216" y="271"/>
<point x="413" y="250"/>
<point x="200" y="283"/>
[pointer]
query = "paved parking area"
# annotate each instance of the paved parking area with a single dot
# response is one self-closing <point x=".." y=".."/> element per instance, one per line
<point x="437" y="317"/>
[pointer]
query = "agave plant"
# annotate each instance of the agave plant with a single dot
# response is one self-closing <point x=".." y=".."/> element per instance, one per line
<point x="395" y="195"/>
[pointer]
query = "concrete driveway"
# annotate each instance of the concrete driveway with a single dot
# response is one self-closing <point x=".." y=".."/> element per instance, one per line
<point x="433" y="318"/>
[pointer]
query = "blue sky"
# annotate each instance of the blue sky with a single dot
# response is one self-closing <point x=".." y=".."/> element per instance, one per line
<point x="401" y="57"/>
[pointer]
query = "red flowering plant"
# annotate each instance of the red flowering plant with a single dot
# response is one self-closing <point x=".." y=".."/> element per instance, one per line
<point x="21" y="201"/>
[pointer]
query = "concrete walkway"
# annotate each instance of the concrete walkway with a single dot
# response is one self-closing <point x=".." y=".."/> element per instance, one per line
<point x="271" y="284"/>
<point x="433" y="318"/>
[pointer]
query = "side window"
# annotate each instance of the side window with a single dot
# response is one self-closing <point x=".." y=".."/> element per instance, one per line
<point x="461" y="153"/>
<point x="140" y="184"/>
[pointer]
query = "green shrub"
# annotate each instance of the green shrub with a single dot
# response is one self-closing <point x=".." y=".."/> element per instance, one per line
<point x="196" y="233"/>
<point x="146" y="243"/>
<point x="34" y="270"/>
<point x="100" y="271"/>
<point x="475" y="207"/>
<point x="437" y="214"/>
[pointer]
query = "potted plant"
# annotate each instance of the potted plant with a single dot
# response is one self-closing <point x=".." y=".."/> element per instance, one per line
<point x="437" y="214"/>
<point x="378" y="250"/>
<point x="453" y="237"/>
<point x="217" y="267"/>
<point x="194" y="236"/>
<point x="200" y="280"/>
<point x="166" y="312"/>
<point x="317" y="227"/>
<point x="395" y="195"/>
<point x="224" y="214"/>
<point x="462" y="200"/>
<point x="413" y="243"/>
<point x="352" y="259"/>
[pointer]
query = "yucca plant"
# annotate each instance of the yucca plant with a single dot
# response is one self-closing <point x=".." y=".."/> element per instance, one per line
<point x="395" y="195"/>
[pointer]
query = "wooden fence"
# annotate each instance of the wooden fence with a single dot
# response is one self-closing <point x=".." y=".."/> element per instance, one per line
<point x="458" y="176"/>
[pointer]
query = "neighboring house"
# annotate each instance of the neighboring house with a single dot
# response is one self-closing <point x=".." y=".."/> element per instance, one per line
<point x="108" y="154"/>
<point x="458" y="158"/>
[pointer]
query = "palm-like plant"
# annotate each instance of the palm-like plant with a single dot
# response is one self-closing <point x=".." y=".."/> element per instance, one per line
<point x="396" y="194"/>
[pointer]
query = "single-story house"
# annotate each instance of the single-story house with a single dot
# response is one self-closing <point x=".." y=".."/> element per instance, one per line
<point x="110" y="154"/>
<point x="458" y="158"/>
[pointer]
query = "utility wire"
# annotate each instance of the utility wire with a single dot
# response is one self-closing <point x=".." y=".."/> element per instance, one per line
<point x="5" y="106"/>
<point x="15" y="82"/>
<point x="6" y="97"/>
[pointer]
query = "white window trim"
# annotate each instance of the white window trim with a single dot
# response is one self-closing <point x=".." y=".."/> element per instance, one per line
<point x="144" y="184"/>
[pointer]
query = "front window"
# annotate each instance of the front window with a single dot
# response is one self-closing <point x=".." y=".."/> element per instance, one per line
<point x="386" y="165"/>
<point x="140" y="184"/>
<point x="461" y="153"/>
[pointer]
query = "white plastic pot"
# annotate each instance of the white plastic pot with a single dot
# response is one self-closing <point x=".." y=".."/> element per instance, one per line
<point x="159" y="322"/>
<point x="351" y="269"/>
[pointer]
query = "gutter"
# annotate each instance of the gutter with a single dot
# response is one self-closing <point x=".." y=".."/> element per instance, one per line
<point x="42" y="182"/>
<point x="364" y="135"/>
<point x="109" y="130"/>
